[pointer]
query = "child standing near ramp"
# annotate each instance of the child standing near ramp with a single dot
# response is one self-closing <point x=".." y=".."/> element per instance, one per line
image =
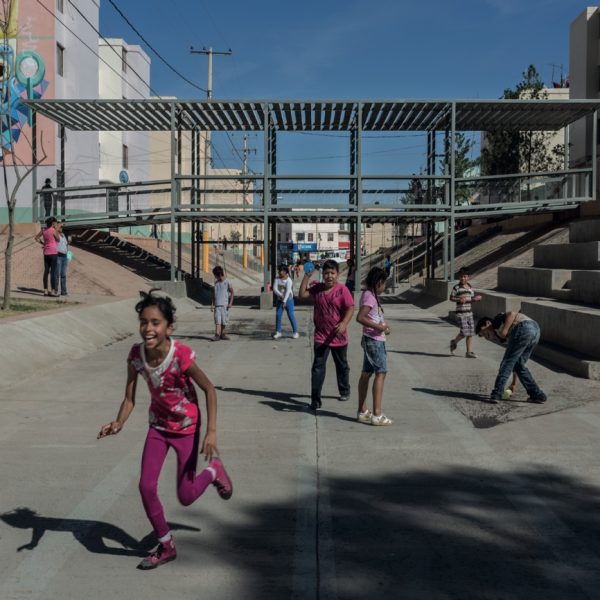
<point x="170" y="371"/>
<point x="222" y="301"/>
<point x="463" y="294"/>
<point x="370" y="316"/>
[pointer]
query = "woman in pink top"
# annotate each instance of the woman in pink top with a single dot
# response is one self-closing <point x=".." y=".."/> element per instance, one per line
<point x="170" y="371"/>
<point x="48" y="237"/>
<point x="370" y="316"/>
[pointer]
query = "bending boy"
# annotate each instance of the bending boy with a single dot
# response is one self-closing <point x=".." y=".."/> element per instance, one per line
<point x="522" y="334"/>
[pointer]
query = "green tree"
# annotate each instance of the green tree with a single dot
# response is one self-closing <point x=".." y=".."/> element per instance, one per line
<point x="511" y="151"/>
<point x="463" y="162"/>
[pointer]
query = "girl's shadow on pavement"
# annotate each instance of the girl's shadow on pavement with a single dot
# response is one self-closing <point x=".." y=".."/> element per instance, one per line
<point x="91" y="534"/>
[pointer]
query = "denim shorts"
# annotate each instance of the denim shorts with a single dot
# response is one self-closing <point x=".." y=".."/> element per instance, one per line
<point x="375" y="360"/>
<point x="221" y="315"/>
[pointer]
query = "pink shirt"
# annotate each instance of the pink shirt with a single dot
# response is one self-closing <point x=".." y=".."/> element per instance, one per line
<point x="49" y="241"/>
<point x="375" y="314"/>
<point x="329" y="311"/>
<point x="174" y="404"/>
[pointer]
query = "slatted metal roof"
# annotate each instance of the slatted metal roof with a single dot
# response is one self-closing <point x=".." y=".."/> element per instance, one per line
<point x="310" y="115"/>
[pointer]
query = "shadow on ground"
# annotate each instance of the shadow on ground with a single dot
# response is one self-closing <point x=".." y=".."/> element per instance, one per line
<point x="460" y="533"/>
<point x="91" y="534"/>
<point x="463" y="533"/>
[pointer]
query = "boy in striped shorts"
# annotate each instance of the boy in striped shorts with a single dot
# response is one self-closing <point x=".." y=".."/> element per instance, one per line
<point x="463" y="294"/>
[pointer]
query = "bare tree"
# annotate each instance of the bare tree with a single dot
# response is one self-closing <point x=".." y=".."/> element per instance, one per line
<point x="19" y="167"/>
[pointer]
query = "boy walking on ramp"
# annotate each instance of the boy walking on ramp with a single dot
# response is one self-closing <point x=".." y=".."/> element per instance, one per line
<point x="522" y="334"/>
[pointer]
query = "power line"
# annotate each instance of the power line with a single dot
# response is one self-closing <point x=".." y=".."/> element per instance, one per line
<point x="153" y="49"/>
<point x="117" y="53"/>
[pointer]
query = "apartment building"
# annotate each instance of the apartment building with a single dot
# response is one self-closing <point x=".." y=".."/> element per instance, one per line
<point x="50" y="53"/>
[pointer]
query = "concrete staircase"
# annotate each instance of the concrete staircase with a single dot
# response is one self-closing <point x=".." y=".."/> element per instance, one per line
<point x="561" y="291"/>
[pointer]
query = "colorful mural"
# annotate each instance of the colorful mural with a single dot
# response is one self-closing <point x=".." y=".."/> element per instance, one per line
<point x="21" y="77"/>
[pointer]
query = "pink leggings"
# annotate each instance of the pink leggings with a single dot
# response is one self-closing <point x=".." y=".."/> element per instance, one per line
<point x="189" y="485"/>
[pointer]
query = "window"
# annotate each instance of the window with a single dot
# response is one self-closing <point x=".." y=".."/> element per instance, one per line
<point x="124" y="60"/>
<point x="330" y="237"/>
<point x="300" y="237"/>
<point x="311" y="237"/>
<point x="60" y="6"/>
<point x="60" y="60"/>
<point x="125" y="159"/>
<point x="278" y="237"/>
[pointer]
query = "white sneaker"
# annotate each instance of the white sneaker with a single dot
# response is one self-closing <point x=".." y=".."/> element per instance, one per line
<point x="295" y="335"/>
<point x="277" y="335"/>
<point x="380" y="420"/>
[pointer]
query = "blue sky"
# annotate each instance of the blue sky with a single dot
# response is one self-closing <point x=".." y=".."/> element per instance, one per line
<point x="333" y="49"/>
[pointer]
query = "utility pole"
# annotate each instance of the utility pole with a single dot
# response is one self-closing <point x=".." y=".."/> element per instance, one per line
<point x="207" y="160"/>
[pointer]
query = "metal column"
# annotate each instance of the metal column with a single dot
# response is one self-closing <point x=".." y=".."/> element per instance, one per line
<point x="173" y="194"/>
<point x="452" y="191"/>
<point x="358" y="276"/>
<point x="273" y="197"/>
<point x="594" y="155"/>
<point x="353" y="237"/>
<point x="266" y="193"/>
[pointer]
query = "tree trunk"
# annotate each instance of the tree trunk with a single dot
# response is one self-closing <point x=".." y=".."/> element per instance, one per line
<point x="8" y="256"/>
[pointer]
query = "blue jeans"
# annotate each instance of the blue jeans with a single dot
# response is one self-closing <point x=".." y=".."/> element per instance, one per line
<point x="62" y="273"/>
<point x="289" y="308"/>
<point x="521" y="342"/>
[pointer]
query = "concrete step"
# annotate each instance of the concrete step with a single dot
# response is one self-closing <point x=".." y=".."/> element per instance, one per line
<point x="586" y="230"/>
<point x="585" y="287"/>
<point x="584" y="255"/>
<point x="532" y="281"/>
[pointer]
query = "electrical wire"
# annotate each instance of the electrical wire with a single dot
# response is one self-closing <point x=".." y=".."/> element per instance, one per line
<point x="117" y="53"/>
<point x="139" y="34"/>
<point x="87" y="46"/>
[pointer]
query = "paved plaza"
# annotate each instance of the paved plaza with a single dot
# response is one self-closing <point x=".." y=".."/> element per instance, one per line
<point x="458" y="499"/>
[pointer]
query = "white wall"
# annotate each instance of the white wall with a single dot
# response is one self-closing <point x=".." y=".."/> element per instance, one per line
<point x="584" y="77"/>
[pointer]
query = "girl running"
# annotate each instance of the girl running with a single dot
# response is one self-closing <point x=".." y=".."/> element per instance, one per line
<point x="370" y="316"/>
<point x="169" y="369"/>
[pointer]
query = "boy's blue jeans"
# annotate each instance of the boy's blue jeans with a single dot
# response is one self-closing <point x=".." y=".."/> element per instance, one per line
<point x="521" y="343"/>
<point x="289" y="308"/>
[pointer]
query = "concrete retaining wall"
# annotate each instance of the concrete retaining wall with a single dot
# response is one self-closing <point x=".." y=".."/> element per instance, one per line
<point x="493" y="303"/>
<point x="568" y="326"/>
<point x="532" y="281"/>
<point x="438" y="288"/>
<point x="38" y="344"/>
<point x="567" y="256"/>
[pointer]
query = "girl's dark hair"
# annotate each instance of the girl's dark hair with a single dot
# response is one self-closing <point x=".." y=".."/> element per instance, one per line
<point x="350" y="262"/>
<point x="50" y="221"/>
<point x="163" y="303"/>
<point x="374" y="277"/>
<point x="283" y="268"/>
<point x="218" y="270"/>
<point x="330" y="264"/>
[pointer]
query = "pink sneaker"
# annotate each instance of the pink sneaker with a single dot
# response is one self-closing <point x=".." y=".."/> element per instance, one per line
<point x="163" y="554"/>
<point x="221" y="481"/>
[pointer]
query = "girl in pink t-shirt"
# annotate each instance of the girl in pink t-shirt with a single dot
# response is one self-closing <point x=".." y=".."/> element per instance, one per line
<point x="370" y="316"/>
<point x="170" y="371"/>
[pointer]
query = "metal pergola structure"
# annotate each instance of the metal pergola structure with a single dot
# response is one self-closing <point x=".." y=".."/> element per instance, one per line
<point x="570" y="187"/>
